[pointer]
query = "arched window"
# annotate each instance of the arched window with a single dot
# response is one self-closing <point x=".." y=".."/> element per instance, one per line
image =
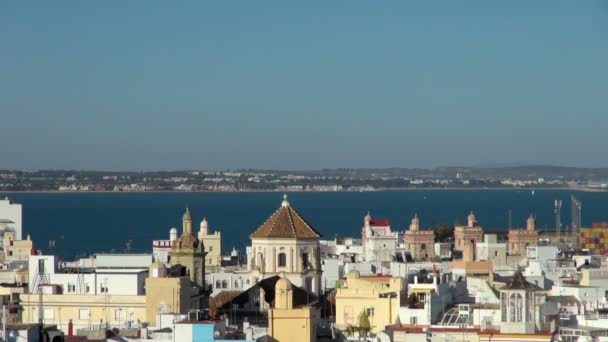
<point x="515" y="307"/>
<point x="236" y="284"/>
<point x="282" y="260"/>
<point x="218" y="284"/>
<point x="224" y="284"/>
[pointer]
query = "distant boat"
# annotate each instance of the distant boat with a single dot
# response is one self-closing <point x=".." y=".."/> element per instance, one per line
<point x="532" y="192"/>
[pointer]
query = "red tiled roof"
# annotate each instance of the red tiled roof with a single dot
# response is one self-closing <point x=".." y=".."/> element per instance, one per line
<point x="382" y="222"/>
<point x="286" y="223"/>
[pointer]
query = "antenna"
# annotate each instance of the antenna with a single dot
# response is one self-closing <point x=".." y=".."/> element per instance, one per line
<point x="576" y="220"/>
<point x="558" y="223"/>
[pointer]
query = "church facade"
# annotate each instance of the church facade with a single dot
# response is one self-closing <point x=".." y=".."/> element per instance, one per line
<point x="286" y="244"/>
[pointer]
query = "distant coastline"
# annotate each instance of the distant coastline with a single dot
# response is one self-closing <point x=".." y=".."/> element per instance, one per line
<point x="564" y="188"/>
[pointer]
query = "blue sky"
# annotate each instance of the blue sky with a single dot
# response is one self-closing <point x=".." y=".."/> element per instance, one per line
<point x="144" y="85"/>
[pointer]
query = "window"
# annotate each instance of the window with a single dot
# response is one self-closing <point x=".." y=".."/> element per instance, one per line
<point x="218" y="284"/>
<point x="515" y="307"/>
<point x="224" y="284"/>
<point x="210" y="248"/>
<point x="370" y="312"/>
<point x="282" y="260"/>
<point x="413" y="320"/>
<point x="236" y="284"/>
<point x="421" y="297"/>
<point x="495" y="253"/>
<point x="423" y="246"/>
<point x="71" y="288"/>
<point x="305" y="262"/>
<point x="84" y="314"/>
<point x="104" y="289"/>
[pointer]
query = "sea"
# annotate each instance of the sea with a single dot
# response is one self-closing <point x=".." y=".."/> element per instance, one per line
<point x="78" y="224"/>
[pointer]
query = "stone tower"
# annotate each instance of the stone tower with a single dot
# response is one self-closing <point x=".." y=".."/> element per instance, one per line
<point x="189" y="252"/>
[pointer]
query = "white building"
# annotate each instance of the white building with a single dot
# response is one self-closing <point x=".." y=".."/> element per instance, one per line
<point x="111" y="274"/>
<point x="161" y="248"/>
<point x="491" y="250"/>
<point x="11" y="217"/>
<point x="379" y="243"/>
<point x="231" y="280"/>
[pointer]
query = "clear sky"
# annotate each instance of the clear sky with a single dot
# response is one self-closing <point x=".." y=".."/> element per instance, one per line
<point x="142" y="85"/>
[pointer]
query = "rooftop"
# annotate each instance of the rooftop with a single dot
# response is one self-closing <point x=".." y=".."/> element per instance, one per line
<point x="286" y="223"/>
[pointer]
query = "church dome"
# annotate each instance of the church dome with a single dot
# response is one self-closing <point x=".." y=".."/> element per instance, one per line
<point x="187" y="242"/>
<point x="285" y="223"/>
<point x="204" y="223"/>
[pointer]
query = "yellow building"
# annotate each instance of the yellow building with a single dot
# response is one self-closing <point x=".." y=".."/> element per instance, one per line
<point x="378" y="296"/>
<point x="213" y="245"/>
<point x="166" y="295"/>
<point x="286" y="323"/>
<point x="467" y="266"/>
<point x="420" y="243"/>
<point x="472" y="232"/>
<point x="519" y="239"/>
<point x="85" y="311"/>
<point x="189" y="252"/>
<point x="16" y="250"/>
<point x="163" y="295"/>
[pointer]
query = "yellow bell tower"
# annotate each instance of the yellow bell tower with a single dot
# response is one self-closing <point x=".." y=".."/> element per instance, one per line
<point x="286" y="323"/>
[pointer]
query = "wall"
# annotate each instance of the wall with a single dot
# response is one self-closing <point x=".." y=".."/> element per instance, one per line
<point x="291" y="324"/>
<point x="213" y="247"/>
<point x="123" y="261"/>
<point x="332" y="271"/>
<point x="234" y="281"/>
<point x="363" y="294"/>
<point x="166" y="295"/>
<point x="84" y="310"/>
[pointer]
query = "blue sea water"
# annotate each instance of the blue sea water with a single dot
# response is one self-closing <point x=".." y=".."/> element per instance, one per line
<point x="83" y="223"/>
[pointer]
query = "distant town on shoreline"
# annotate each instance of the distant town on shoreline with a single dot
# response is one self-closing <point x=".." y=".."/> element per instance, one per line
<point x="324" y="180"/>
